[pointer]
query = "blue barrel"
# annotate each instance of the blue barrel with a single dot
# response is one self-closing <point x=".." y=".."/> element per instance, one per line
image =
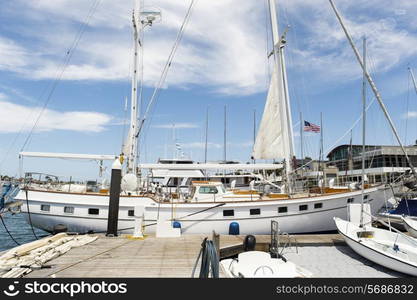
<point x="176" y="224"/>
<point x="234" y="228"/>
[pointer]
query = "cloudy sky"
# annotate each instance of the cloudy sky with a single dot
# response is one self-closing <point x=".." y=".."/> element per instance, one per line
<point x="80" y="75"/>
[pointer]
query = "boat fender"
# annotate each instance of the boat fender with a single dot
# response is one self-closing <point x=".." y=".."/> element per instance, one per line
<point x="176" y="224"/>
<point x="234" y="228"/>
<point x="249" y="243"/>
<point x="58" y="228"/>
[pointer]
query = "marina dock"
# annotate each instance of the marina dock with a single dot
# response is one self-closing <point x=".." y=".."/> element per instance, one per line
<point x="324" y="255"/>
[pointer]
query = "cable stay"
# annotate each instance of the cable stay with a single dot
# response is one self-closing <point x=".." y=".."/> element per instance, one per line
<point x="166" y="68"/>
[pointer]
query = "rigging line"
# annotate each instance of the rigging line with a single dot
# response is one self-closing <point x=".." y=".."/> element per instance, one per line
<point x="167" y="65"/>
<point x="8" y="232"/>
<point x="63" y="67"/>
<point x="341" y="138"/>
<point x="29" y="217"/>
<point x="407" y="109"/>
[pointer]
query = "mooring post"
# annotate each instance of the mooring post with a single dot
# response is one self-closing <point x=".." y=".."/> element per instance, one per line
<point x="116" y="178"/>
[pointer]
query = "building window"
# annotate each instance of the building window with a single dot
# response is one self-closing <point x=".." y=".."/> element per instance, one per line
<point x="282" y="209"/>
<point x="93" y="211"/>
<point x="350" y="200"/>
<point x="208" y="190"/>
<point x="45" y="207"/>
<point x="130" y="213"/>
<point x="255" y="211"/>
<point x="68" y="209"/>
<point x="303" y="207"/>
<point x="228" y="213"/>
<point x="318" y="205"/>
<point x="365" y="197"/>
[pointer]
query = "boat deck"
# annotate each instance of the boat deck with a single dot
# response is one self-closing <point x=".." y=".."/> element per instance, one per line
<point x="324" y="255"/>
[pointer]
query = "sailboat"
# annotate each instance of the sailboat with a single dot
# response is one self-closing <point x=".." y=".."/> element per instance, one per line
<point x="207" y="206"/>
<point x="387" y="247"/>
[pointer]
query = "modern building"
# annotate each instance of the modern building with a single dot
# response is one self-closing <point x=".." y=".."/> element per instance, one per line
<point x="382" y="163"/>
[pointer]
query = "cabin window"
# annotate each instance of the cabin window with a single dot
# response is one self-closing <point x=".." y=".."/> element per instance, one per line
<point x="255" y="211"/>
<point x="93" y="211"/>
<point x="303" y="207"/>
<point x="228" y="213"/>
<point x="208" y="190"/>
<point x="282" y="209"/>
<point x="68" y="209"/>
<point x="318" y="205"/>
<point x="45" y="207"/>
<point x="131" y="213"/>
<point x="350" y="200"/>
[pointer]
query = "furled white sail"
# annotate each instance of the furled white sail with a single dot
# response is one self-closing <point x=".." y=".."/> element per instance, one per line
<point x="272" y="140"/>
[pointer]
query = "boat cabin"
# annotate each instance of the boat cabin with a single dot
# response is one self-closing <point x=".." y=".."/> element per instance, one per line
<point x="206" y="191"/>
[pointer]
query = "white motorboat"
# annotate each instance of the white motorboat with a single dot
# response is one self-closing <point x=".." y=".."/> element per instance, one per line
<point x="387" y="248"/>
<point x="258" y="264"/>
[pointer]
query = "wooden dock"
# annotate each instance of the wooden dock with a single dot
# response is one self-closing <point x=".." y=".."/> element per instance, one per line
<point x="149" y="257"/>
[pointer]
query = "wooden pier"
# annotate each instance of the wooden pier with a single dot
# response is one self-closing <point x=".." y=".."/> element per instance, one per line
<point x="151" y="256"/>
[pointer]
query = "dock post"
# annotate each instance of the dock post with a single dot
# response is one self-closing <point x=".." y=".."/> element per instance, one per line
<point x="216" y="242"/>
<point x="113" y="217"/>
<point x="139" y="214"/>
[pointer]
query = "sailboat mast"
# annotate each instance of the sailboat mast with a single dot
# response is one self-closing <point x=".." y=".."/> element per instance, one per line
<point x="206" y="144"/>
<point x="374" y="90"/>
<point x="137" y="29"/>
<point x="363" y="126"/>
<point x="286" y="122"/>
<point x="225" y="134"/>
<point x="412" y="77"/>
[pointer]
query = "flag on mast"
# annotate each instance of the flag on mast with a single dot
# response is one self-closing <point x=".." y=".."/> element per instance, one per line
<point x="311" y="127"/>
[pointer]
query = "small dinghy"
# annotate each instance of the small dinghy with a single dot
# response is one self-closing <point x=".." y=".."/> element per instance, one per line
<point x="411" y="225"/>
<point x="253" y="264"/>
<point x="390" y="249"/>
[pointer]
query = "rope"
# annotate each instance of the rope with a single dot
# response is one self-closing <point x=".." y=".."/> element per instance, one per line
<point x="209" y="260"/>
<point x="30" y="219"/>
<point x="8" y="232"/>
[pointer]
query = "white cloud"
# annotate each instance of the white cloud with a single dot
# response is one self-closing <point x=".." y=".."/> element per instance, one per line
<point x="176" y="126"/>
<point x="199" y="145"/>
<point x="14" y="118"/>
<point x="224" y="46"/>
<point x="410" y="115"/>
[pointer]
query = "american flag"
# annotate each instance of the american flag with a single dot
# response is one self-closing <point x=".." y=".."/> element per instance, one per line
<point x="311" y="127"/>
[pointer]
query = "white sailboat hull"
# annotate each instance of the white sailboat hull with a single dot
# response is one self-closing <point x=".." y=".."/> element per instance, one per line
<point x="195" y="218"/>
<point x="386" y="258"/>
<point x="410" y="225"/>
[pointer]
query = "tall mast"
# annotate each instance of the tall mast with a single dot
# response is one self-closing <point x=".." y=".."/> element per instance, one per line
<point x="414" y="80"/>
<point x="137" y="30"/>
<point x="374" y="90"/>
<point x="302" y="143"/>
<point x="225" y="133"/>
<point x="286" y="121"/>
<point x="254" y="130"/>
<point x="363" y="126"/>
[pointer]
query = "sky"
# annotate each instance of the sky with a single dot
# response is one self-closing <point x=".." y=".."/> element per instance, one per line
<point x="65" y="70"/>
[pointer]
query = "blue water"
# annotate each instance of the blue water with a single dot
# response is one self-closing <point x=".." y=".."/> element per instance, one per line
<point x="20" y="230"/>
